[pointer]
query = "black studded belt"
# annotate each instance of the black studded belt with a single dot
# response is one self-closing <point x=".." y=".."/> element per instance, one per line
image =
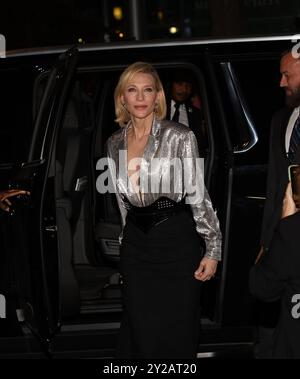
<point x="154" y="214"/>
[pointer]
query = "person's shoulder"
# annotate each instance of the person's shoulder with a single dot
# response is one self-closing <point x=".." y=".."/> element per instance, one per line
<point x="115" y="137"/>
<point x="280" y="120"/>
<point x="113" y="141"/>
<point x="281" y="114"/>
<point x="191" y="108"/>
<point x="175" y="127"/>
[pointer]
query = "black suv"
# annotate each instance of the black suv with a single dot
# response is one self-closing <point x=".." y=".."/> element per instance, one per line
<point x="59" y="247"/>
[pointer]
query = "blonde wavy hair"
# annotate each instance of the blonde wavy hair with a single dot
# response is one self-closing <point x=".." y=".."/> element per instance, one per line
<point x="122" y="116"/>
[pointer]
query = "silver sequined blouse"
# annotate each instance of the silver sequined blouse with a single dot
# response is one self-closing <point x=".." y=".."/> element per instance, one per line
<point x="168" y="142"/>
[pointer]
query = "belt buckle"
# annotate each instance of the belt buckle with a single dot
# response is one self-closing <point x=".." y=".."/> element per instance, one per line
<point x="148" y="222"/>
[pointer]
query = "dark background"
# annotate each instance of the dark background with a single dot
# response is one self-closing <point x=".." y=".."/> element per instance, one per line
<point x="62" y="22"/>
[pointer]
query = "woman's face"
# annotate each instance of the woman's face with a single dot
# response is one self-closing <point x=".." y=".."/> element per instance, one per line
<point x="140" y="96"/>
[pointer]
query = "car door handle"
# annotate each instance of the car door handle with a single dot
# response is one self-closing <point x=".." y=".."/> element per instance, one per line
<point x="51" y="228"/>
<point x="81" y="184"/>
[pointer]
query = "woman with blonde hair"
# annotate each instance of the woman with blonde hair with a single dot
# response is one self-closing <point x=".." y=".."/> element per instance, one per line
<point x="154" y="164"/>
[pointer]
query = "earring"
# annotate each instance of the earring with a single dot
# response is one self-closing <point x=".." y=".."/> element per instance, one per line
<point x="155" y="108"/>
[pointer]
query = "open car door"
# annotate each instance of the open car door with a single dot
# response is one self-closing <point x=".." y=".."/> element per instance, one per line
<point x="29" y="233"/>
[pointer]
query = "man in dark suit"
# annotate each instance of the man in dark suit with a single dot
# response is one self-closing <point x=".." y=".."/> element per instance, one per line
<point x="277" y="276"/>
<point x="283" y="151"/>
<point x="181" y="108"/>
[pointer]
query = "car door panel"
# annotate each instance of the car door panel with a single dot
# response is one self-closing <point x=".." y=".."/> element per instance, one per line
<point x="33" y="233"/>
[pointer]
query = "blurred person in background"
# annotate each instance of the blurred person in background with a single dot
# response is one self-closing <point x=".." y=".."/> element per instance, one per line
<point x="184" y="105"/>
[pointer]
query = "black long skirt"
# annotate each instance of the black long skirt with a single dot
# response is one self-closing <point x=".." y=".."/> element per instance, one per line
<point x="161" y="297"/>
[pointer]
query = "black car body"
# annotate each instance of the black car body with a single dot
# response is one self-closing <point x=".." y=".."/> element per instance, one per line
<point x="59" y="247"/>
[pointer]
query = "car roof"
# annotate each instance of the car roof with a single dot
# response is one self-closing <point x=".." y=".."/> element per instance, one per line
<point x="148" y="44"/>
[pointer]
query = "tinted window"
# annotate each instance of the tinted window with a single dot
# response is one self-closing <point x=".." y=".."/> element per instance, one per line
<point x="259" y="81"/>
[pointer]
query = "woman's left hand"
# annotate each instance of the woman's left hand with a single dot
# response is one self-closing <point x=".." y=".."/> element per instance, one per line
<point x="206" y="269"/>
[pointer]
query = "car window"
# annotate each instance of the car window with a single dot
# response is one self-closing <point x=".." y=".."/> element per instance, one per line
<point x="259" y="81"/>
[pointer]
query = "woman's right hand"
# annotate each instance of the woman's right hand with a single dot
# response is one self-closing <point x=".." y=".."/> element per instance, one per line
<point x="289" y="206"/>
<point x="206" y="269"/>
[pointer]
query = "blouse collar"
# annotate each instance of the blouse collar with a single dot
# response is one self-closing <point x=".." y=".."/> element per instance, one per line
<point x="155" y="129"/>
